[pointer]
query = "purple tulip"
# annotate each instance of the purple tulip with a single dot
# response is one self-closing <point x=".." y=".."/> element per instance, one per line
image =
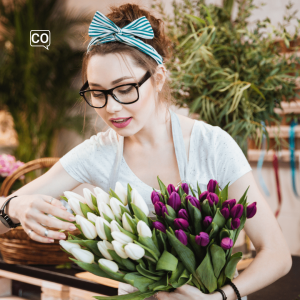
<point x="174" y="201"/>
<point x="207" y="220"/>
<point x="225" y="212"/>
<point x="211" y="186"/>
<point x="159" y="226"/>
<point x="230" y="202"/>
<point x="183" y="214"/>
<point x="155" y="197"/>
<point x="235" y="223"/>
<point x="237" y="211"/>
<point x="158" y="208"/>
<point x="163" y="211"/>
<point x="182" y="237"/>
<point x="203" y="196"/>
<point x="226" y="243"/>
<point x="171" y="188"/>
<point x="180" y="223"/>
<point x="251" y="210"/>
<point x="194" y="201"/>
<point x="202" y="239"/>
<point x="212" y="199"/>
<point x="185" y="187"/>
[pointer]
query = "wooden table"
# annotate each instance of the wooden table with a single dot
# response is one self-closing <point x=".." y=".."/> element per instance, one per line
<point x="59" y="284"/>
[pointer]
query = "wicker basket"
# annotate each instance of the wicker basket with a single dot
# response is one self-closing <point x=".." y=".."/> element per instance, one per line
<point x="17" y="248"/>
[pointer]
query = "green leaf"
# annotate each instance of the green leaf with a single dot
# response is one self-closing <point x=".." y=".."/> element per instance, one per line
<point x="139" y="214"/>
<point x="124" y="209"/>
<point x="243" y="198"/>
<point x="146" y="273"/>
<point x="116" y="257"/>
<point x="231" y="266"/>
<point x="198" y="189"/>
<point x="130" y="265"/>
<point x="177" y="272"/>
<point x="224" y="194"/>
<point x="132" y="225"/>
<point x="154" y="238"/>
<point x="128" y="233"/>
<point x="219" y="219"/>
<point x="198" y="250"/>
<point x="94" y="200"/>
<point x="92" y="245"/>
<point x="85" y="209"/>
<point x="107" y="218"/>
<point x="196" y="216"/>
<point x="185" y="278"/>
<point x="167" y="262"/>
<point x="152" y="253"/>
<point x="129" y="189"/>
<point x="218" y="258"/>
<point x="206" y="208"/>
<point x="138" y="281"/>
<point x="163" y="188"/>
<point x="162" y="284"/>
<point x="171" y="211"/>
<point x="196" y="19"/>
<point x="113" y="194"/>
<point x="64" y="198"/>
<point x="114" y="275"/>
<point x="107" y="231"/>
<point x="148" y="242"/>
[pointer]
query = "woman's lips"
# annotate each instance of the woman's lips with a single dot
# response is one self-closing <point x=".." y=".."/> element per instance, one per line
<point x="122" y="124"/>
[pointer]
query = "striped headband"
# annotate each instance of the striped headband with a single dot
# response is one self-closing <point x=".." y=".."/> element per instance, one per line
<point x="103" y="30"/>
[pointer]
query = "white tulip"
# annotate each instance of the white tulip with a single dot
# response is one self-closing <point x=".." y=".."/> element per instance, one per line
<point x="88" y="198"/>
<point x="115" y="205"/>
<point x="121" y="237"/>
<point x="109" y="264"/>
<point x="75" y="206"/>
<point x="67" y="245"/>
<point x="70" y="194"/>
<point x="92" y="217"/>
<point x="100" y="227"/>
<point x="83" y="255"/>
<point x="104" y="208"/>
<point x="103" y="246"/>
<point x="88" y="229"/>
<point x="134" y="251"/>
<point x="125" y="223"/>
<point x="121" y="192"/>
<point x="101" y="196"/>
<point x="138" y="200"/>
<point x="118" y="247"/>
<point x="114" y="226"/>
<point x="143" y="229"/>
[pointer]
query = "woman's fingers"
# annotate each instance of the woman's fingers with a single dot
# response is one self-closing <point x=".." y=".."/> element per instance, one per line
<point x="54" y="202"/>
<point x="53" y="222"/>
<point x="36" y="237"/>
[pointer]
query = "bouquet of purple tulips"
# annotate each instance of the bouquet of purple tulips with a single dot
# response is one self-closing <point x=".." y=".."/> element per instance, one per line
<point x="189" y="242"/>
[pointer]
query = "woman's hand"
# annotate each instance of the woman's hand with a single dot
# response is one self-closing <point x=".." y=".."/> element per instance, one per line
<point x="185" y="292"/>
<point x="31" y="210"/>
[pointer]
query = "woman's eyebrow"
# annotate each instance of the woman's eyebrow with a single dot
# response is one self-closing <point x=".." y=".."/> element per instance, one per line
<point x="113" y="82"/>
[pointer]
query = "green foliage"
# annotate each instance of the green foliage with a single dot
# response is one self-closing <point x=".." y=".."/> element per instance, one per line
<point x="233" y="77"/>
<point x="36" y="85"/>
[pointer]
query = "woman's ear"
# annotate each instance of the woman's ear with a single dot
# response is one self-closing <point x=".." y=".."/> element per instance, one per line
<point x="160" y="77"/>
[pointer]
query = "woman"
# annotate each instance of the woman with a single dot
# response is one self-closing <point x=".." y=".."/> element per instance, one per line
<point x="151" y="140"/>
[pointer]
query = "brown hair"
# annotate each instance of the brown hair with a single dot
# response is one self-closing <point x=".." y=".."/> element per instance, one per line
<point x="122" y="16"/>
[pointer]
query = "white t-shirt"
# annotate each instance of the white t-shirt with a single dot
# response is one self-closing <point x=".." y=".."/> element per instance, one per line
<point x="213" y="154"/>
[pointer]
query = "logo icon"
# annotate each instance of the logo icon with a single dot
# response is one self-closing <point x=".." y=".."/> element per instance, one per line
<point x="40" y="38"/>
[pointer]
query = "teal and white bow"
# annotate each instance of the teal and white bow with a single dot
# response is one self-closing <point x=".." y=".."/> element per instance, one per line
<point x="103" y="30"/>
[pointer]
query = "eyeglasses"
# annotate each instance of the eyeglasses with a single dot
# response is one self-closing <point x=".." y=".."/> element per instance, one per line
<point x="124" y="94"/>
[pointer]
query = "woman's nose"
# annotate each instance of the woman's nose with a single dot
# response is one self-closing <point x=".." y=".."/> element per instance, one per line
<point x="112" y="105"/>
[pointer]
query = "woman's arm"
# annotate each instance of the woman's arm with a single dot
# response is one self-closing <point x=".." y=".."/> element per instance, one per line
<point x="30" y="204"/>
<point x="273" y="259"/>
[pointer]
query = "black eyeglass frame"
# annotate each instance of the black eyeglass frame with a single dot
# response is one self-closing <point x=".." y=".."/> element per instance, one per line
<point x="110" y="91"/>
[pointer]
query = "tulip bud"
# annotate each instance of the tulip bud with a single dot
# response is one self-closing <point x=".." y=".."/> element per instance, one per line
<point x="171" y="188"/>
<point x="115" y="205"/>
<point x="103" y="246"/>
<point x="134" y="251"/>
<point x="82" y="255"/>
<point x="101" y="196"/>
<point x="202" y="239"/>
<point x="114" y="226"/>
<point x="121" y="237"/>
<point x="138" y="200"/>
<point x="92" y="217"/>
<point x="226" y="243"/>
<point x="174" y="201"/>
<point x="212" y="199"/>
<point x="207" y="221"/>
<point x="194" y="201"/>
<point x="251" y="210"/>
<point x="125" y="224"/>
<point x="69" y="195"/>
<point x="88" y="198"/>
<point x="67" y="245"/>
<point x="100" y="227"/>
<point x="109" y="264"/>
<point x="143" y="229"/>
<point x="163" y="211"/>
<point x="181" y="236"/>
<point x="182" y="213"/>
<point x="237" y="211"/>
<point x="180" y="223"/>
<point x="159" y="226"/>
<point x="225" y="212"/>
<point x="158" y="208"/>
<point x="230" y="202"/>
<point x="118" y="247"/>
<point x="88" y="229"/>
<point x="235" y="223"/>
<point x="185" y="187"/>
<point x="211" y="186"/>
<point x="121" y="192"/>
<point x="203" y="196"/>
<point x="155" y="197"/>
<point x="75" y="206"/>
<point x="104" y="208"/>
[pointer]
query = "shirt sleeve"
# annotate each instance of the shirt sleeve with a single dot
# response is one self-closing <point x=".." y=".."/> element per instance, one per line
<point x="231" y="163"/>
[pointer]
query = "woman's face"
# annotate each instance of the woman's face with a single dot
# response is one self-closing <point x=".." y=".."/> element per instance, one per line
<point x="102" y="71"/>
